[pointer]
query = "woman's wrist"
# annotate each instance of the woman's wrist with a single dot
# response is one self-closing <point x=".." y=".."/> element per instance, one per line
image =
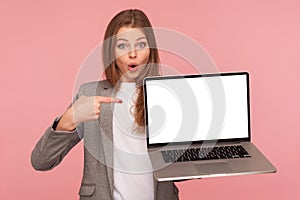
<point x="66" y="122"/>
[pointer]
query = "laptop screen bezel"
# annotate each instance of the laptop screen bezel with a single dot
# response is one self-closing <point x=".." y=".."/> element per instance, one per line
<point x="199" y="142"/>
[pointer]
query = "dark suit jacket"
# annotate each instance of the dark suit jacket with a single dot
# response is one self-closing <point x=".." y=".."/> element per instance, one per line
<point x="97" y="182"/>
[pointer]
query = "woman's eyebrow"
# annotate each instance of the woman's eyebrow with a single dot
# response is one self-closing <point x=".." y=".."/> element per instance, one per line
<point x="122" y="39"/>
<point x="140" y="38"/>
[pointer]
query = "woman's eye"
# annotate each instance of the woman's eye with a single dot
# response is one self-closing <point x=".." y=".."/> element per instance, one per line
<point x="141" y="45"/>
<point x="122" y="46"/>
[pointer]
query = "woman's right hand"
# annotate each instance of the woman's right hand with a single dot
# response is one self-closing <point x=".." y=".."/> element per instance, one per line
<point x="86" y="108"/>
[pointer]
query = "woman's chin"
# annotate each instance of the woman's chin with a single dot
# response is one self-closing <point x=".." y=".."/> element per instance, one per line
<point x="130" y="76"/>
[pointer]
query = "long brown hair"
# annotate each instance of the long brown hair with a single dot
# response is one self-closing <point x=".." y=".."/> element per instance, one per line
<point x="135" y="19"/>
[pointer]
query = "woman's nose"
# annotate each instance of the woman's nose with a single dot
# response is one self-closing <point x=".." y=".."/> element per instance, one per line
<point x="132" y="53"/>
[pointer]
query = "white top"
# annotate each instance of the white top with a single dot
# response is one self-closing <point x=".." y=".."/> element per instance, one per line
<point x="133" y="177"/>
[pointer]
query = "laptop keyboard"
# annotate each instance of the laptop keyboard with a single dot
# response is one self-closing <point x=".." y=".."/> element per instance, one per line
<point x="205" y="153"/>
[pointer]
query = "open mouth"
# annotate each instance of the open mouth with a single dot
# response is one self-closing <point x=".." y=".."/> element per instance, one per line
<point x="132" y="66"/>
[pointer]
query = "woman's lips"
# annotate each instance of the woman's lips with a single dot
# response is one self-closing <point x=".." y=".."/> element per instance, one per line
<point x="132" y="67"/>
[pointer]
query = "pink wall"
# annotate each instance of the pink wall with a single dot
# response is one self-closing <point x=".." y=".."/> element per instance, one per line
<point x="43" y="43"/>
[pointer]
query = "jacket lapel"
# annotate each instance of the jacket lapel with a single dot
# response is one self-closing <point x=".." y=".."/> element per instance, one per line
<point x="106" y="89"/>
<point x="106" y="118"/>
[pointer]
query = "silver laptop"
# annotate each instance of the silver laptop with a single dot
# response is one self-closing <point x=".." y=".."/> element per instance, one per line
<point x="198" y="126"/>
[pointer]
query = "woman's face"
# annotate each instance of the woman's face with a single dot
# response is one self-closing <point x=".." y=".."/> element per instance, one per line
<point x="132" y="52"/>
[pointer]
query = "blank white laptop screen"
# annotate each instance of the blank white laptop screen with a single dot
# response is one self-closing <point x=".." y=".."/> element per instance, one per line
<point x="183" y="109"/>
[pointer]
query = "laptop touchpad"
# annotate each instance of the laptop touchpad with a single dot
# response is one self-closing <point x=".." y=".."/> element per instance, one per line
<point x="212" y="168"/>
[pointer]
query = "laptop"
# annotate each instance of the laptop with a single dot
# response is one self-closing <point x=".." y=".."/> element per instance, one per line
<point x="198" y="126"/>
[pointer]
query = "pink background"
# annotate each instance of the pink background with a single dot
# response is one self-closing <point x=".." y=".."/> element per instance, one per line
<point x="43" y="43"/>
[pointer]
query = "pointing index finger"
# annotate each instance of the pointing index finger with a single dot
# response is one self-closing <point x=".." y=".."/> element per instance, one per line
<point x="108" y="99"/>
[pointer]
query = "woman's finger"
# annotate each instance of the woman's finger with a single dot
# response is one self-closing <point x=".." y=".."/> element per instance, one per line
<point x="108" y="99"/>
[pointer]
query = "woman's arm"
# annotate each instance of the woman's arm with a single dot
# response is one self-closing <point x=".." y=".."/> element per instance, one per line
<point x="52" y="148"/>
<point x="58" y="141"/>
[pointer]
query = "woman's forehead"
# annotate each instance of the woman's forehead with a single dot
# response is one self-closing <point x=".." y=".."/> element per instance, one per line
<point x="130" y="34"/>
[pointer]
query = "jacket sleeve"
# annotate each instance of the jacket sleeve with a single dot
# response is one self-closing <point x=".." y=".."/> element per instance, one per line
<point x="53" y="146"/>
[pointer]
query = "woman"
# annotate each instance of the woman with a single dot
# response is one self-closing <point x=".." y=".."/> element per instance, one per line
<point x="109" y="115"/>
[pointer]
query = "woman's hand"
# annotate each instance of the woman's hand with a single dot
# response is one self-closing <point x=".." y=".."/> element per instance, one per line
<point x="84" y="109"/>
